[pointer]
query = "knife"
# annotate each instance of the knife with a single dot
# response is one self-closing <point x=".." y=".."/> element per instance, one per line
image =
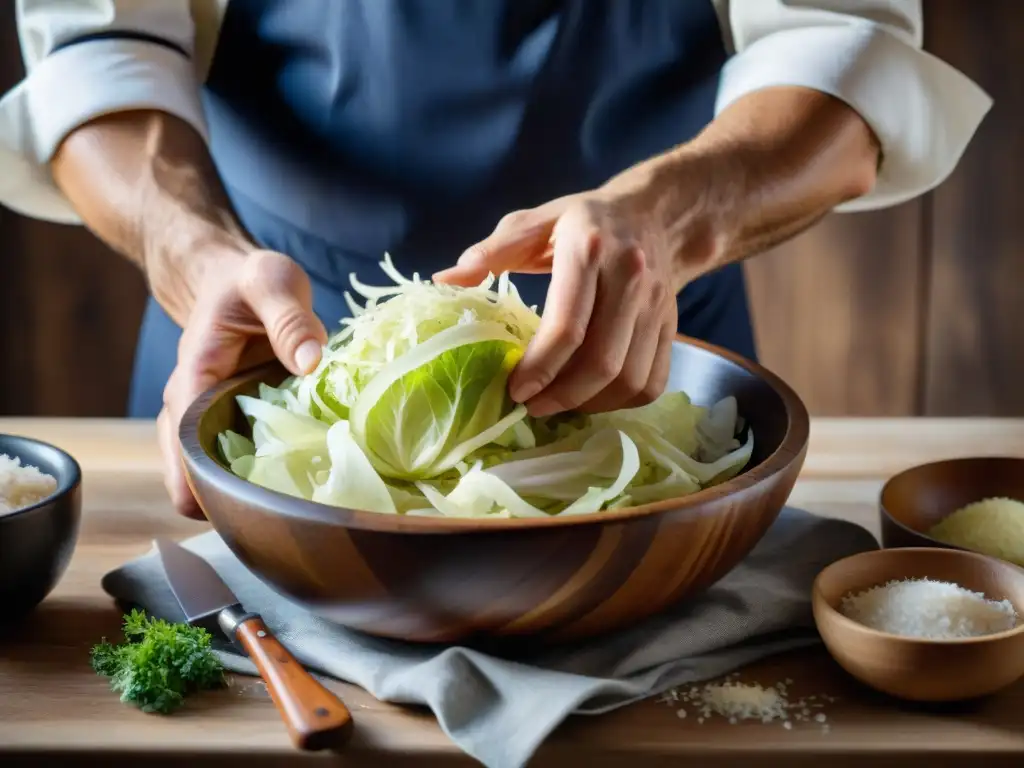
<point x="316" y="719"/>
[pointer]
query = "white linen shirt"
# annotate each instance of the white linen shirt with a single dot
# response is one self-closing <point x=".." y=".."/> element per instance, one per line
<point x="864" y="52"/>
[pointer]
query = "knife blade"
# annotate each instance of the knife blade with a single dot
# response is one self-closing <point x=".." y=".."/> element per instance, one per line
<point x="315" y="717"/>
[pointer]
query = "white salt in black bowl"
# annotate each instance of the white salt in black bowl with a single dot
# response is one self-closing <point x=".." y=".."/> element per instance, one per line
<point x="37" y="540"/>
<point x="920" y="668"/>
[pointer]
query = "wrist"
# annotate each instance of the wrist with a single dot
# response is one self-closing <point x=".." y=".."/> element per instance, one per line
<point x="178" y="263"/>
<point x="763" y="171"/>
<point x="689" y="203"/>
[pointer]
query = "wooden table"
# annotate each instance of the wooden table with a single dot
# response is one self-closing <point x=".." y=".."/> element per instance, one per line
<point x="52" y="705"/>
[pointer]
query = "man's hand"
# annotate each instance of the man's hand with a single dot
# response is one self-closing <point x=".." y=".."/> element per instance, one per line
<point x="765" y="169"/>
<point x="606" y="335"/>
<point x="246" y="311"/>
<point x="145" y="184"/>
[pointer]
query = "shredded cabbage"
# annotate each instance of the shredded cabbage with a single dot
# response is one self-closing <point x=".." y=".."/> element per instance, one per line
<point x="408" y="413"/>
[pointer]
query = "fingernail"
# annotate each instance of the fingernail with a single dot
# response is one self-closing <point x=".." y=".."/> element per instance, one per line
<point x="524" y="392"/>
<point x="307" y="355"/>
<point x="440" y="276"/>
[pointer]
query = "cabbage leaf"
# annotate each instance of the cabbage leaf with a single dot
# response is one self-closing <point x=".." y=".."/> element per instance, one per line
<point x="408" y="413"/>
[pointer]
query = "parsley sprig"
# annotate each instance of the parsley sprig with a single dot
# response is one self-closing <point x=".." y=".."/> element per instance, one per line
<point x="159" y="663"/>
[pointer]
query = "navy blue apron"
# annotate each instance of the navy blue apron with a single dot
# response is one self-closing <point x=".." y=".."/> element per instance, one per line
<point x="346" y="128"/>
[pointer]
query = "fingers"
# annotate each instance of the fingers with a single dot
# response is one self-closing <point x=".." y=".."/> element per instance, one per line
<point x="225" y="330"/>
<point x="657" y="377"/>
<point x="221" y="334"/>
<point x="174" y="474"/>
<point x="207" y="354"/>
<point x="663" y="331"/>
<point x="634" y="385"/>
<point x="568" y="309"/>
<point x="517" y="237"/>
<point x="520" y="243"/>
<point x="280" y="295"/>
<point x="621" y="292"/>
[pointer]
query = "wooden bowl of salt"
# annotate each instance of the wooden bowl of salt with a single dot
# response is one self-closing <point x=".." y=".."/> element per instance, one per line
<point x="915" y="501"/>
<point x="924" y="624"/>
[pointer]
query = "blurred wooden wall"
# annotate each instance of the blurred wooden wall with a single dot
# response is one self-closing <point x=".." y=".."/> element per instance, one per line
<point x="913" y="310"/>
<point x="917" y="309"/>
<point x="69" y="308"/>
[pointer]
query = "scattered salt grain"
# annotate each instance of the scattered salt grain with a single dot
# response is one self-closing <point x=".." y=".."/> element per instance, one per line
<point x="735" y="701"/>
<point x="744" y="701"/>
<point x="22" y="485"/>
<point x="929" y="609"/>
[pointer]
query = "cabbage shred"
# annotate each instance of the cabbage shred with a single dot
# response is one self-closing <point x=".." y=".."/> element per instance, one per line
<point x="408" y="413"/>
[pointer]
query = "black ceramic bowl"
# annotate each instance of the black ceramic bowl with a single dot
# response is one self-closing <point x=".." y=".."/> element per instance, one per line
<point x="36" y="542"/>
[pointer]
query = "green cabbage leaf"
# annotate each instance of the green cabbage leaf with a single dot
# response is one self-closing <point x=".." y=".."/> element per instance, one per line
<point x="408" y="413"/>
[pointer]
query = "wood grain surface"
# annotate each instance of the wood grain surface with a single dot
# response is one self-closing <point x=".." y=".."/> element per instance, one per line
<point x="837" y="312"/>
<point x="68" y="341"/>
<point x="918" y="669"/>
<point x="315" y="716"/>
<point x="916" y="500"/>
<point x="54" y="706"/>
<point x="975" y="325"/>
<point x="69" y="307"/>
<point x="552" y="579"/>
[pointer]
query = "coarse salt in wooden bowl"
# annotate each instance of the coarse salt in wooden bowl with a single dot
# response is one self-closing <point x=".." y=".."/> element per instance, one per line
<point x="915" y="500"/>
<point x="436" y="579"/>
<point x="915" y="668"/>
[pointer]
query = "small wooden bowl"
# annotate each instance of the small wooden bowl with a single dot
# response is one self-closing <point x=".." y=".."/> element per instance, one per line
<point x="918" y="498"/>
<point x="556" y="579"/>
<point x="919" y="669"/>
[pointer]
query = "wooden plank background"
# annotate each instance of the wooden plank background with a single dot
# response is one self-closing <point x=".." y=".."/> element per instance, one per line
<point x="837" y="312"/>
<point x="69" y="308"/>
<point x="912" y="310"/>
<point x="974" y="350"/>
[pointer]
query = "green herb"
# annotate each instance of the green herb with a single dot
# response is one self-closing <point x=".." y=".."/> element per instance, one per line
<point x="159" y="664"/>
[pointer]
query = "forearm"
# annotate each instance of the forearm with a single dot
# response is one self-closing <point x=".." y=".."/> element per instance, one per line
<point x="145" y="184"/>
<point x="764" y="170"/>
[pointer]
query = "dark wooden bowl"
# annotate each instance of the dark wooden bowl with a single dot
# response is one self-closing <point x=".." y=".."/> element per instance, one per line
<point x="556" y="579"/>
<point x="36" y="542"/>
<point x="918" y="498"/>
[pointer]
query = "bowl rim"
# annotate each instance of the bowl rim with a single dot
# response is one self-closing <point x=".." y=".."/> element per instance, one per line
<point x="201" y="463"/>
<point x="64" y="487"/>
<point x="886" y="513"/>
<point x="818" y="600"/>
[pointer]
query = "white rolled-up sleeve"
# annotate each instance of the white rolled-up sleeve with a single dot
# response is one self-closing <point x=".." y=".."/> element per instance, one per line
<point x="868" y="53"/>
<point x="84" y="59"/>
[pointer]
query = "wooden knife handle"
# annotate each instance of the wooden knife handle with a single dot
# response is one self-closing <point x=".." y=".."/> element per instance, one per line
<point x="315" y="717"/>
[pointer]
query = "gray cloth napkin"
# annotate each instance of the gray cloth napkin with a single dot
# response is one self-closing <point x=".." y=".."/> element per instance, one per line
<point x="499" y="709"/>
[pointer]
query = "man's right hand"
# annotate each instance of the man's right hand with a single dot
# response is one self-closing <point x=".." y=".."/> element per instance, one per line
<point x="145" y="184"/>
<point x="246" y="312"/>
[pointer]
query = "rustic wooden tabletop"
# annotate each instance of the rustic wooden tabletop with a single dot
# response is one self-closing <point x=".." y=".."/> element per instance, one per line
<point x="55" y="710"/>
